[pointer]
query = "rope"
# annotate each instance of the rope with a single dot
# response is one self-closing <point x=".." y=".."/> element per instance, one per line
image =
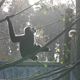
<point x="20" y="11"/>
<point x="70" y="69"/>
<point x="39" y="28"/>
<point x="60" y="72"/>
<point x="12" y="64"/>
<point x="39" y="74"/>
<point x="60" y="34"/>
<point x="17" y="13"/>
<point x="64" y="71"/>
<point x="45" y="75"/>
<point x="27" y="8"/>
<point x="16" y="62"/>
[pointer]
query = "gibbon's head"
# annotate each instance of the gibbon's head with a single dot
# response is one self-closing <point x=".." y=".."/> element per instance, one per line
<point x="27" y="29"/>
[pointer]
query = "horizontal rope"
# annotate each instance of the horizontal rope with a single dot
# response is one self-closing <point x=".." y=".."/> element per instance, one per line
<point x="63" y="72"/>
<point x="16" y="62"/>
<point x="20" y="11"/>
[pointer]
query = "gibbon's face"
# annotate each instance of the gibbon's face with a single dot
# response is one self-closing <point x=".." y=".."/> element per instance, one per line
<point x="27" y="30"/>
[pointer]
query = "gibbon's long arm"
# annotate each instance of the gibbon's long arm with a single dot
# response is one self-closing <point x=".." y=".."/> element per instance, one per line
<point x="11" y="32"/>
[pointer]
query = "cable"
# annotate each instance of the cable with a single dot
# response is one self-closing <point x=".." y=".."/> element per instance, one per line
<point x="12" y="64"/>
<point x="60" y="73"/>
<point x="39" y="28"/>
<point x="70" y="69"/>
<point x="20" y="11"/>
<point x="16" y="62"/>
<point x="33" y="76"/>
<point x="60" y="34"/>
<point x="27" y="8"/>
<point x="64" y="72"/>
<point x="3" y="66"/>
<point x="48" y="74"/>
